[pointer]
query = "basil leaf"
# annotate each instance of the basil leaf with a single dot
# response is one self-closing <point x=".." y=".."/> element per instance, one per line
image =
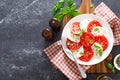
<point x="64" y="10"/>
<point x="57" y="6"/>
<point x="76" y="13"/>
<point x="96" y="29"/>
<point x="99" y="49"/>
<point x="69" y="2"/>
<point x="113" y="69"/>
<point x="82" y="31"/>
<point x="69" y="9"/>
<point x="70" y="13"/>
<point x="73" y="6"/>
<point x="100" y="52"/>
<point x="59" y="17"/>
<point x="109" y="66"/>
<point x="96" y="46"/>
<point x="81" y="53"/>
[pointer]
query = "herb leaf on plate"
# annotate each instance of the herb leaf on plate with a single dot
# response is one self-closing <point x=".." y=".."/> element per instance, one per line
<point x="99" y="49"/>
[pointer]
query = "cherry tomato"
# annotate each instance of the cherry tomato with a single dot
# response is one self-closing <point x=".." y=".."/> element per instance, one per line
<point x="72" y="45"/>
<point x="102" y="40"/>
<point x="92" y="24"/>
<point x="88" y="54"/>
<point x="75" y="28"/>
<point x="87" y="39"/>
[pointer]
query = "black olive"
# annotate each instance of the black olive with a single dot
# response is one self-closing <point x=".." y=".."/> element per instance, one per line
<point x="54" y="24"/>
<point x="47" y="34"/>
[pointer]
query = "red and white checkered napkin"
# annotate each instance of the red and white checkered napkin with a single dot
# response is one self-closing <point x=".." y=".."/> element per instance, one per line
<point x="61" y="61"/>
<point x="103" y="11"/>
<point x="58" y="58"/>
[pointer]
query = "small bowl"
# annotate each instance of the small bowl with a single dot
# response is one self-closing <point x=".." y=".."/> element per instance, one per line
<point x="115" y="64"/>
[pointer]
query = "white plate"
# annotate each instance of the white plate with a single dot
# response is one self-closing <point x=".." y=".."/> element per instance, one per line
<point x="115" y="64"/>
<point x="109" y="36"/>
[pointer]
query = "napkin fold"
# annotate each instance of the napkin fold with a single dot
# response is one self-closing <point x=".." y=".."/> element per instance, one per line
<point x="60" y="61"/>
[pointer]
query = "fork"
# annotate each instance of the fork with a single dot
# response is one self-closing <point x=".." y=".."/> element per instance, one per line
<point x="84" y="75"/>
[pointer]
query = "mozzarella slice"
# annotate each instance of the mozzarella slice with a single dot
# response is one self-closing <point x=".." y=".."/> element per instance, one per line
<point x="73" y="37"/>
<point x="97" y="49"/>
<point x="84" y="24"/>
<point x="98" y="31"/>
<point x="78" y="53"/>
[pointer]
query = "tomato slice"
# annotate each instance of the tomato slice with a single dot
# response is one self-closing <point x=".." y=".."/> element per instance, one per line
<point x="92" y="24"/>
<point x="87" y="39"/>
<point x="72" y="45"/>
<point x="88" y="54"/>
<point x="102" y="40"/>
<point x="75" y="28"/>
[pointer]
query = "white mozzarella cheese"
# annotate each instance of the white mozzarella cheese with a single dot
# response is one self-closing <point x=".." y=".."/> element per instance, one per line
<point x="98" y="31"/>
<point x="97" y="49"/>
<point x="84" y="24"/>
<point x="73" y="37"/>
<point x="78" y="53"/>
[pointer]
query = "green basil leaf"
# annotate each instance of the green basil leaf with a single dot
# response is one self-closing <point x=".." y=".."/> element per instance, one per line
<point x="73" y="6"/>
<point x="96" y="46"/>
<point x="100" y="52"/>
<point x="69" y="9"/>
<point x="113" y="69"/>
<point x="96" y="29"/>
<point x="57" y="6"/>
<point x="81" y="53"/>
<point x="55" y="10"/>
<point x="109" y="66"/>
<point x="76" y="13"/>
<point x="70" y="13"/>
<point x="64" y="10"/>
<point x="69" y="2"/>
<point x="82" y="31"/>
<point x="99" y="49"/>
<point x="59" y="17"/>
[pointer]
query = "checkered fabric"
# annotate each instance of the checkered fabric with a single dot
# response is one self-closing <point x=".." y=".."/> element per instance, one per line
<point x="103" y="11"/>
<point x="60" y="61"/>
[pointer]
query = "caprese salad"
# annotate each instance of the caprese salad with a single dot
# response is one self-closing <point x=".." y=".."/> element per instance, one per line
<point x="87" y="39"/>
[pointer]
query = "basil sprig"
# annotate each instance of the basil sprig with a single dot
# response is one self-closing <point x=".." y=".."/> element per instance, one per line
<point x="68" y="9"/>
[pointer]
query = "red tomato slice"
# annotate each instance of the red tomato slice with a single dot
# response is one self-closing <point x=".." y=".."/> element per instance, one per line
<point x="102" y="40"/>
<point x="75" y="28"/>
<point x="88" y="54"/>
<point x="72" y="45"/>
<point x="93" y="24"/>
<point x="87" y="39"/>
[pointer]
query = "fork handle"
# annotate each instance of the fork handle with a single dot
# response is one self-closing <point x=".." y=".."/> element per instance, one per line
<point x="80" y="69"/>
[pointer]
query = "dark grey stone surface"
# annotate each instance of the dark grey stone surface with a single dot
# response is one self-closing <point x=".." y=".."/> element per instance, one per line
<point x="21" y="43"/>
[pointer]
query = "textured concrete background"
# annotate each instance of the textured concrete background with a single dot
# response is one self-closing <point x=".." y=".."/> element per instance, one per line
<point x="21" y="43"/>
